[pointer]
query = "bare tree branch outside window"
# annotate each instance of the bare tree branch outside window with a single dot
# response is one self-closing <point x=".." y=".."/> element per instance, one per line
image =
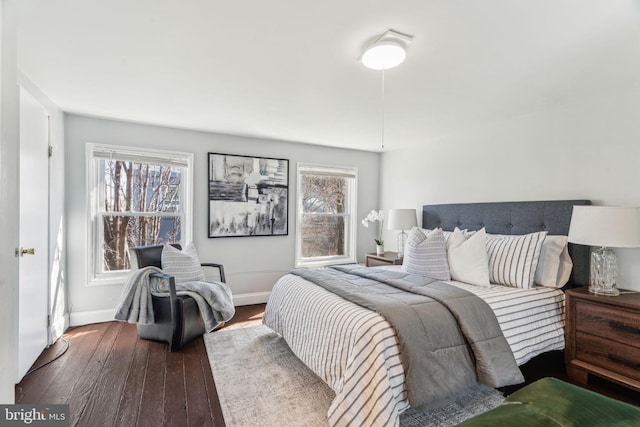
<point x="323" y="220"/>
<point x="141" y="207"/>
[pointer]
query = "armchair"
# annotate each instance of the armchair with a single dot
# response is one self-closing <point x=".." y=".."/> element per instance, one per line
<point x="177" y="318"/>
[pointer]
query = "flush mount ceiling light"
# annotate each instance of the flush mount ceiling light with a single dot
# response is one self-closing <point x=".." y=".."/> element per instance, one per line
<point x="387" y="51"/>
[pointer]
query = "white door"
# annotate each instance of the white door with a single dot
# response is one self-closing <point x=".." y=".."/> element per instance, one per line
<point x="34" y="231"/>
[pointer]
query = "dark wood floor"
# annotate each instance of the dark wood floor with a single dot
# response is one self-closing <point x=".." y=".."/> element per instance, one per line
<point x="110" y="377"/>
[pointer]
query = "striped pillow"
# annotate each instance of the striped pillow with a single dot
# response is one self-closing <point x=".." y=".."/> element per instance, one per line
<point x="426" y="255"/>
<point x="513" y="259"/>
<point x="447" y="234"/>
<point x="183" y="265"/>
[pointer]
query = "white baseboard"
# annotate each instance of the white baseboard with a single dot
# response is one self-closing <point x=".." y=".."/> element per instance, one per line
<point x="80" y="318"/>
<point x="251" y="298"/>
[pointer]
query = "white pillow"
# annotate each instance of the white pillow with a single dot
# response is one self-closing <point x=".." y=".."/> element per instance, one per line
<point x="183" y="265"/>
<point x="553" y="254"/>
<point x="513" y="259"/>
<point x="468" y="260"/>
<point x="566" y="265"/>
<point x="426" y="255"/>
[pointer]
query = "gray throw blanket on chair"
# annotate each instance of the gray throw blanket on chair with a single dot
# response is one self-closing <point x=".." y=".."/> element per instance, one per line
<point x="214" y="299"/>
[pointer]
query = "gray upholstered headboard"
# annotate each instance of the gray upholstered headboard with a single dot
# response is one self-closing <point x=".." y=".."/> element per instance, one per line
<point x="514" y="218"/>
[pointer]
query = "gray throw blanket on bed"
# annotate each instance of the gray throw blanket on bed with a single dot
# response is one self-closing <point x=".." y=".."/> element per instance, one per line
<point x="436" y="325"/>
<point x="214" y="299"/>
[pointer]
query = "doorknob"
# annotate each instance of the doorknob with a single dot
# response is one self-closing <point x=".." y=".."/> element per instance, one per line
<point x="28" y="251"/>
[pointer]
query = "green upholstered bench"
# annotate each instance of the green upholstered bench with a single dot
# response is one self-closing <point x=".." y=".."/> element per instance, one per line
<point x="551" y="402"/>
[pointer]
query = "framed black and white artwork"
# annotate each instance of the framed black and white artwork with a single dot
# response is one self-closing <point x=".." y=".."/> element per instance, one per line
<point x="248" y="196"/>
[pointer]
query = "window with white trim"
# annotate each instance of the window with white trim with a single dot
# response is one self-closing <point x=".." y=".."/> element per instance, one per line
<point x="137" y="197"/>
<point x="326" y="223"/>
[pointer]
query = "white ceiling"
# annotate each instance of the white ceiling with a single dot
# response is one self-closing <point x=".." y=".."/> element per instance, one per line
<point x="289" y="69"/>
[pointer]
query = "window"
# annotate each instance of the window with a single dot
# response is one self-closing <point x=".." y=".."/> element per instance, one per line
<point x="137" y="197"/>
<point x="325" y="215"/>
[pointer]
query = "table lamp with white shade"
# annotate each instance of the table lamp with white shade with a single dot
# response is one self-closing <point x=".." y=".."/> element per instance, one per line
<point x="605" y="227"/>
<point x="402" y="219"/>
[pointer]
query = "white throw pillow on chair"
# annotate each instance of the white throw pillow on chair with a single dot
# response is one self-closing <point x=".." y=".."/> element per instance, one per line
<point x="184" y="264"/>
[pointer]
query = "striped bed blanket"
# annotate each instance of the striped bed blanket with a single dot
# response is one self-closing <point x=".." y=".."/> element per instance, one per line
<point x="353" y="349"/>
<point x="356" y="351"/>
<point x="532" y="320"/>
<point x="437" y="325"/>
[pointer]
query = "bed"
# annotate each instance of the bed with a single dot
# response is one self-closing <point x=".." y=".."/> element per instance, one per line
<point x="357" y="352"/>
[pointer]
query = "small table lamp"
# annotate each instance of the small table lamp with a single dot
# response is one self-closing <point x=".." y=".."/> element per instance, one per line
<point x="402" y="219"/>
<point x="605" y="226"/>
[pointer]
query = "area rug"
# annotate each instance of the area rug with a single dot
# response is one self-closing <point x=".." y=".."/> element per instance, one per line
<point x="260" y="382"/>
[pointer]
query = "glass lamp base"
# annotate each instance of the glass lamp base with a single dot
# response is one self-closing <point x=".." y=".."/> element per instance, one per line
<point x="604" y="270"/>
<point x="402" y="240"/>
<point x="609" y="292"/>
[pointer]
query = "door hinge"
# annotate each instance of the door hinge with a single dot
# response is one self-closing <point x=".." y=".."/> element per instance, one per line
<point x="50" y="151"/>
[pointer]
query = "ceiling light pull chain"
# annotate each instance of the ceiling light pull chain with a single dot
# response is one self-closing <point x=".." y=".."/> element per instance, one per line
<point x="382" y="110"/>
<point x="388" y="51"/>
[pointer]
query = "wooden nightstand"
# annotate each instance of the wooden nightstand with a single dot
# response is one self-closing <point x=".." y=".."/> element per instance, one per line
<point x="603" y="337"/>
<point x="389" y="258"/>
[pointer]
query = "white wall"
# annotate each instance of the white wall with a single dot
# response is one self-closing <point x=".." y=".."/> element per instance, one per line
<point x="9" y="174"/>
<point x="252" y="264"/>
<point x="587" y="149"/>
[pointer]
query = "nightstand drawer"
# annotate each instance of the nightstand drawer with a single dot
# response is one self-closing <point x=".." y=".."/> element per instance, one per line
<point x="614" y="356"/>
<point x="372" y="262"/>
<point x="603" y="337"/>
<point x="606" y="322"/>
<point x="388" y="258"/>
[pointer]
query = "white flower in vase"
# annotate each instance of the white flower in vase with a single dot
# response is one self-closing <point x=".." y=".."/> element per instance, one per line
<point x="374" y="216"/>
